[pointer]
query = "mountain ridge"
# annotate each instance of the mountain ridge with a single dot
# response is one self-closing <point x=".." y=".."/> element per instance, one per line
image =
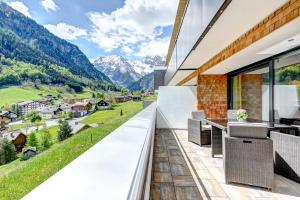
<point x="25" y="40"/>
<point x="126" y="72"/>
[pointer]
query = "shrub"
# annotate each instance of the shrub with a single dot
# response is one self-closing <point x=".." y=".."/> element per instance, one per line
<point x="35" y="118"/>
<point x="45" y="139"/>
<point x="32" y="140"/>
<point x="7" y="151"/>
<point x="64" y="130"/>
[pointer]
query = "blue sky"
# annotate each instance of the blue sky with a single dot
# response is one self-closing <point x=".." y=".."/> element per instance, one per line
<point x="131" y="28"/>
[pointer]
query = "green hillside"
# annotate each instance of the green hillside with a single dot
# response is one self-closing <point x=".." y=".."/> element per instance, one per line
<point x="14" y="94"/>
<point x="24" y="40"/>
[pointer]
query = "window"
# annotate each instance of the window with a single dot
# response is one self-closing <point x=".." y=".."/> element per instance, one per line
<point x="287" y="87"/>
<point x="250" y="91"/>
<point x="270" y="90"/>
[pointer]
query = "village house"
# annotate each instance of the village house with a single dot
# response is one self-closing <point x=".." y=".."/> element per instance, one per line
<point x="51" y="112"/>
<point x="78" y="127"/>
<point x="28" y="107"/>
<point x="49" y="97"/>
<point x="120" y="99"/>
<point x="4" y="120"/>
<point x="6" y="117"/>
<point x="73" y="100"/>
<point x="136" y="97"/>
<point x="80" y="109"/>
<point x="102" y="105"/>
<point x="12" y="117"/>
<point x="65" y="107"/>
<point x="18" y="138"/>
<point x="29" y="152"/>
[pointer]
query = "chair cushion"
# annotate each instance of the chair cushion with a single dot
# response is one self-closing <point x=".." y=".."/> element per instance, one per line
<point x="247" y="130"/>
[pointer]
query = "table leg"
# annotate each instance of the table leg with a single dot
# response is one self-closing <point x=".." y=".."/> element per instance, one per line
<point x="216" y="141"/>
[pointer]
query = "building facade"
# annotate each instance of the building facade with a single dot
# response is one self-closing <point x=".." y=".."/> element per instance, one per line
<point x="237" y="59"/>
<point x="28" y="107"/>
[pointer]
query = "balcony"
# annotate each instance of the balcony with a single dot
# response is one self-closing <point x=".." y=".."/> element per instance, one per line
<point x="146" y="158"/>
<point x="193" y="20"/>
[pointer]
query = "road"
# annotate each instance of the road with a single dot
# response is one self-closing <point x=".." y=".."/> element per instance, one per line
<point x="48" y="123"/>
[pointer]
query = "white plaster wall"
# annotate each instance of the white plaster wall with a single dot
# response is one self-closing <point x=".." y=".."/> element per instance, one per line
<point x="174" y="106"/>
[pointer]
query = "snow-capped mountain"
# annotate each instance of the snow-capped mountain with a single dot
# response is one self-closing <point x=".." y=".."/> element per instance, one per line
<point x="125" y="72"/>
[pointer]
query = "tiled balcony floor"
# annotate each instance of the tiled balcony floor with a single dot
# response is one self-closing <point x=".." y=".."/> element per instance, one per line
<point x="207" y="174"/>
<point x="171" y="177"/>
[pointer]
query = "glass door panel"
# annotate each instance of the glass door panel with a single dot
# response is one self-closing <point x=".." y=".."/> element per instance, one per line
<point x="287" y="88"/>
<point x="251" y="92"/>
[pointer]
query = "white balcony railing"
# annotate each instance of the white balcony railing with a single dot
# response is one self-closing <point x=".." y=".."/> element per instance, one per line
<point x="118" y="167"/>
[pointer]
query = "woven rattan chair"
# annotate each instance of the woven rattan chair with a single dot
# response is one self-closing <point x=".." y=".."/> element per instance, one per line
<point x="248" y="155"/>
<point x="287" y="155"/>
<point x="198" y="132"/>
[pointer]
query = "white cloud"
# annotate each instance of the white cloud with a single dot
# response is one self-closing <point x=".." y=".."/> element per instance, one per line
<point x="153" y="47"/>
<point x="138" y="21"/>
<point x="66" y="31"/>
<point x="49" y="5"/>
<point x="127" y="49"/>
<point x="21" y="7"/>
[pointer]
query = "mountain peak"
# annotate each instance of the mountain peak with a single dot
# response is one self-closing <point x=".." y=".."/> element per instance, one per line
<point x="123" y="71"/>
<point x="153" y="60"/>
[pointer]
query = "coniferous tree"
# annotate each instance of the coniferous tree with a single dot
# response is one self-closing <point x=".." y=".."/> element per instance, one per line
<point x="32" y="140"/>
<point x="7" y="151"/>
<point x="45" y="139"/>
<point x="64" y="130"/>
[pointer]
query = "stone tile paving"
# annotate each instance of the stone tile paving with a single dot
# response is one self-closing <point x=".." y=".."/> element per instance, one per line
<point x="171" y="176"/>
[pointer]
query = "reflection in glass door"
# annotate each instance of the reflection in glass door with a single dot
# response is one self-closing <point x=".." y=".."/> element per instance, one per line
<point x="250" y="91"/>
<point x="287" y="88"/>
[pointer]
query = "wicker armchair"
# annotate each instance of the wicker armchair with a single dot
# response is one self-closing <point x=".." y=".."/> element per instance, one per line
<point x="287" y="155"/>
<point x="248" y="160"/>
<point x="198" y="132"/>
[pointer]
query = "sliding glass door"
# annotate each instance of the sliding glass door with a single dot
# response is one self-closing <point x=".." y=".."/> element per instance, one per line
<point x="250" y="91"/>
<point x="268" y="90"/>
<point x="287" y="88"/>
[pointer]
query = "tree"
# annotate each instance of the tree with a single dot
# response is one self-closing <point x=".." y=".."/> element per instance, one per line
<point x="124" y="91"/>
<point x="35" y="118"/>
<point x="45" y="139"/>
<point x="64" y="130"/>
<point x="7" y="151"/>
<point x="32" y="140"/>
<point x="100" y="95"/>
<point x="112" y="100"/>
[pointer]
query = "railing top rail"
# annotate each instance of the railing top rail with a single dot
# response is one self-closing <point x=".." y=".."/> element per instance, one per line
<point x="108" y="170"/>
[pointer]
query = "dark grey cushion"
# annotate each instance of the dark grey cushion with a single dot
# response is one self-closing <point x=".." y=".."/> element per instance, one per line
<point x="247" y="130"/>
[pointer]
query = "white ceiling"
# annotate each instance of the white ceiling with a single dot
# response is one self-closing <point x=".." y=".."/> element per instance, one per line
<point x="239" y="17"/>
<point x="191" y="82"/>
<point x="179" y="75"/>
<point x="253" y="53"/>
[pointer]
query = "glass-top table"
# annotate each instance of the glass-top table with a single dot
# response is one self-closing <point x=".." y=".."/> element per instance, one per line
<point x="222" y="124"/>
<point x="219" y="129"/>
